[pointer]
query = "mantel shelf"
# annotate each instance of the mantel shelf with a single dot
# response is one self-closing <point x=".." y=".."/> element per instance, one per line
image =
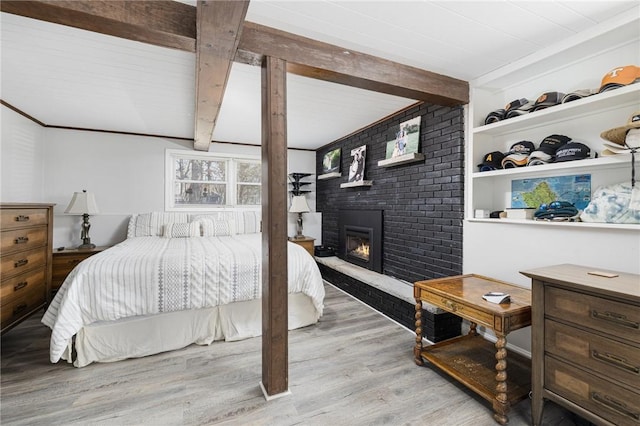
<point x="356" y="184"/>
<point x="331" y="175"/>
<point x="402" y="159"/>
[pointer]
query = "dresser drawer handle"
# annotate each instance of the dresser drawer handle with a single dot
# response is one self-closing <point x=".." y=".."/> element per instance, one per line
<point x="20" y="263"/>
<point x="614" y="405"/>
<point x="617" y="318"/>
<point x="616" y="361"/>
<point x="21" y="240"/>
<point x="20" y="286"/>
<point x="22" y="218"/>
<point x="21" y="307"/>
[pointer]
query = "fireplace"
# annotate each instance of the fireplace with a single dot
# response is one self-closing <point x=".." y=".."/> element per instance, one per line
<point x="360" y="238"/>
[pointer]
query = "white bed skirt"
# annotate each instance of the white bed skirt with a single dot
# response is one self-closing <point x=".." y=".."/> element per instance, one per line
<point x="147" y="335"/>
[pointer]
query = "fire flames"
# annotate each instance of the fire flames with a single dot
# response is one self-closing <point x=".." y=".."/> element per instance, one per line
<point x="362" y="251"/>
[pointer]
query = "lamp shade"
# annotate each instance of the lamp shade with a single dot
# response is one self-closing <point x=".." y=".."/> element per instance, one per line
<point x="82" y="203"/>
<point x="299" y="204"/>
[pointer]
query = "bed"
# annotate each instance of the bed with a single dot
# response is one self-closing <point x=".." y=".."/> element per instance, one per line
<point x="176" y="280"/>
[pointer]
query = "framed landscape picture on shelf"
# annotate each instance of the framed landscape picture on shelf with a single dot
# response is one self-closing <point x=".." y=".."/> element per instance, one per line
<point x="331" y="161"/>
<point x="405" y="139"/>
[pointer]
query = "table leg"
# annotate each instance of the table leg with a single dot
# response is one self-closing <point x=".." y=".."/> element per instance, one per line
<point x="501" y="401"/>
<point x="472" y="329"/>
<point x="417" y="350"/>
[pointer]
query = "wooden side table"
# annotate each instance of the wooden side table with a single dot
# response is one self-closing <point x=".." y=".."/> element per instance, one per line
<point x="306" y="242"/>
<point x="471" y="359"/>
<point x="65" y="260"/>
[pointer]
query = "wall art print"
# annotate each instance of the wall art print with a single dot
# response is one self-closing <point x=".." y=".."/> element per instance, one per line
<point x="406" y="138"/>
<point x="331" y="161"/>
<point x="356" y="170"/>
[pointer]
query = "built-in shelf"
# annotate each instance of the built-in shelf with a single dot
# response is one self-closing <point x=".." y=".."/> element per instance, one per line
<point x="356" y="184"/>
<point x="613" y="161"/>
<point x="331" y="175"/>
<point x="593" y="104"/>
<point x="612" y="226"/>
<point x="402" y="159"/>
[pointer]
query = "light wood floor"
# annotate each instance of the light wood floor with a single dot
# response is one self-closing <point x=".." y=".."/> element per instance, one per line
<point x="355" y="367"/>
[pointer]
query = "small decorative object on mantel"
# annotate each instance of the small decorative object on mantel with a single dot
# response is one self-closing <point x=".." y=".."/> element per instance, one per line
<point x="83" y="203"/>
<point x="331" y="164"/>
<point x="403" y="148"/>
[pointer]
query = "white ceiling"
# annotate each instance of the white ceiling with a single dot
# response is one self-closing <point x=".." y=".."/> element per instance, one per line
<point x="67" y="77"/>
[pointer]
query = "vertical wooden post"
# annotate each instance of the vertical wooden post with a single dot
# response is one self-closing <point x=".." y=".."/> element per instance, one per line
<point x="275" y="357"/>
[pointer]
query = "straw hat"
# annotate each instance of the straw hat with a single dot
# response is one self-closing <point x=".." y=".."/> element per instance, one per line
<point x="618" y="134"/>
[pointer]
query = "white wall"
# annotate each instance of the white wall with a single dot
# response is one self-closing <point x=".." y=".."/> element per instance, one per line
<point x="21" y="159"/>
<point x="125" y="172"/>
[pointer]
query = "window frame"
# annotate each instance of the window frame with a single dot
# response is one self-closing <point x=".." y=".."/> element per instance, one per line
<point x="232" y="182"/>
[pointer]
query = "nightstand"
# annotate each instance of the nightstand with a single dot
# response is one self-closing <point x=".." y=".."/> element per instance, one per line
<point x="65" y="260"/>
<point x="306" y="242"/>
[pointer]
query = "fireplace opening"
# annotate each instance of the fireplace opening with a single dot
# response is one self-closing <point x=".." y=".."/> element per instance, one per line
<point x="360" y="238"/>
<point x="358" y="243"/>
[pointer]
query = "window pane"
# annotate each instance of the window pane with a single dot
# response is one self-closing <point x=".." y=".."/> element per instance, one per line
<point x="200" y="193"/>
<point x="249" y="195"/>
<point x="200" y="170"/>
<point x="249" y="172"/>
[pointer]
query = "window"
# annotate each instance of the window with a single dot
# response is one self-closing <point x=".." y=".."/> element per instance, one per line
<point x="202" y="180"/>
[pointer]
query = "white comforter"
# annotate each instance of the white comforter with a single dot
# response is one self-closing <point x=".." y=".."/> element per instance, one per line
<point x="150" y="275"/>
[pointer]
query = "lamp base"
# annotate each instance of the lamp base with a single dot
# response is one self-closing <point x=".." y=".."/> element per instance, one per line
<point x="298" y="237"/>
<point x="86" y="246"/>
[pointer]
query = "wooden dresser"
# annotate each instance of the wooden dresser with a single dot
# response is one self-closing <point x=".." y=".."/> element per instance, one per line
<point x="27" y="231"/>
<point x="586" y="343"/>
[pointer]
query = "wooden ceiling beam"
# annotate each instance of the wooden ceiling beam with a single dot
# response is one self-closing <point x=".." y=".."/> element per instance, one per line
<point x="159" y="22"/>
<point x="173" y="24"/>
<point x="219" y="26"/>
<point x="315" y="59"/>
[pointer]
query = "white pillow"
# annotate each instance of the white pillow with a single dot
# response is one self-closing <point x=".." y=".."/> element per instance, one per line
<point x="152" y="224"/>
<point x="181" y="230"/>
<point x="217" y="228"/>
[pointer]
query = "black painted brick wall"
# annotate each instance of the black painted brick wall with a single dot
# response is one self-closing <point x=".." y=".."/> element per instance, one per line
<point x="423" y="202"/>
<point x="435" y="327"/>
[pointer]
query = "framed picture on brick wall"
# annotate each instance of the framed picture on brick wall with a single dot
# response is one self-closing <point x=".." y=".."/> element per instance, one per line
<point x="356" y="170"/>
<point x="406" y="138"/>
<point x="331" y="161"/>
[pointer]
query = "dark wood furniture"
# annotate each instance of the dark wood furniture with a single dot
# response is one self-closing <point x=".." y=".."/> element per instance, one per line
<point x="306" y="242"/>
<point x="586" y="343"/>
<point x="471" y="359"/>
<point x="65" y="260"/>
<point x="27" y="235"/>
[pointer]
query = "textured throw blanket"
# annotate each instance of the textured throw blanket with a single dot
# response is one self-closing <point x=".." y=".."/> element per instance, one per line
<point x="151" y="275"/>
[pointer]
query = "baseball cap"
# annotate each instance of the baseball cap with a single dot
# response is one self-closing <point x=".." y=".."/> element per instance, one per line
<point x="518" y="107"/>
<point x="547" y="150"/>
<point x="551" y="143"/>
<point x="547" y="99"/>
<point x="491" y="161"/>
<point x="619" y="134"/>
<point x="518" y="154"/>
<point x="619" y="77"/>
<point x="494" y="116"/>
<point x="572" y="151"/>
<point x="578" y="94"/>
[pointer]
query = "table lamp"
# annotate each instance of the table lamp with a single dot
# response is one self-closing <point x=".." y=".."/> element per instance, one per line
<point x="299" y="205"/>
<point x="83" y="203"/>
